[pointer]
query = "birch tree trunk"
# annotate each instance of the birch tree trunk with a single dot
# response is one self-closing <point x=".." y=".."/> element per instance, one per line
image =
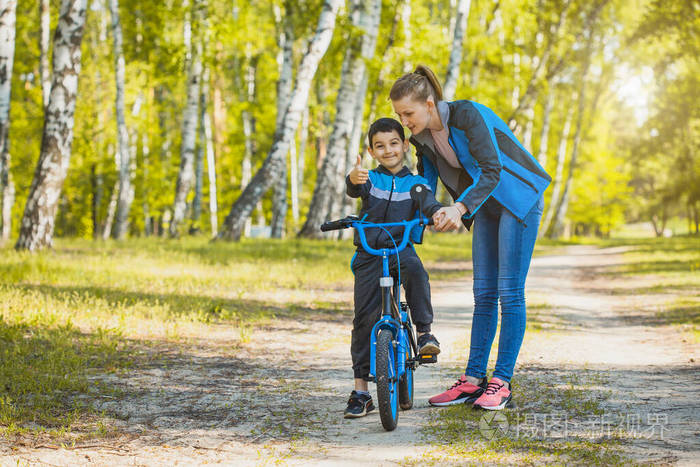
<point x="343" y="202"/>
<point x="558" y="175"/>
<point x="211" y="171"/>
<point x="303" y="141"/>
<point x="8" y="19"/>
<point x="201" y="150"/>
<point x="489" y="29"/>
<point x="37" y="226"/>
<point x="529" y="115"/>
<point x="248" y="131"/>
<point x="185" y="177"/>
<point x="327" y="192"/>
<point x="146" y="206"/>
<point x="271" y="168"/>
<point x="285" y="59"/>
<point x="544" y="136"/>
<point x="526" y="99"/>
<point x="97" y="191"/>
<point x="516" y="69"/>
<point x="125" y="197"/>
<point x="560" y="214"/>
<point x="111" y="208"/>
<point x="407" y="34"/>
<point x="379" y="87"/>
<point x="44" y="37"/>
<point x="461" y="16"/>
<point x="294" y="181"/>
<point x="207" y="143"/>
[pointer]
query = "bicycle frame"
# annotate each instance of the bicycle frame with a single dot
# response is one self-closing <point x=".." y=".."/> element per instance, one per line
<point x="398" y="323"/>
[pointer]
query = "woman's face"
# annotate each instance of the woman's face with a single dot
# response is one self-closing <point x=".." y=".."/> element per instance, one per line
<point x="414" y="114"/>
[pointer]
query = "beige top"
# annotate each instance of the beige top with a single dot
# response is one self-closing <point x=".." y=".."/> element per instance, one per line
<point x="441" y="139"/>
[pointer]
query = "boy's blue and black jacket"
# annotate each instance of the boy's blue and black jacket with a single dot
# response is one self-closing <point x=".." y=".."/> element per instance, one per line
<point x="495" y="163"/>
<point x="386" y="198"/>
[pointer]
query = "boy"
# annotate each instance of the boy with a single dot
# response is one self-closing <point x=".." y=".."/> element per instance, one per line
<point x="385" y="193"/>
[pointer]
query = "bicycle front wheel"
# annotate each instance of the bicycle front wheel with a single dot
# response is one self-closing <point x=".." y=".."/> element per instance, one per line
<point x="387" y="380"/>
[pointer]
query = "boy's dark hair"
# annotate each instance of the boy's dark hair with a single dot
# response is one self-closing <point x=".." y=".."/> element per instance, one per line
<point x="384" y="125"/>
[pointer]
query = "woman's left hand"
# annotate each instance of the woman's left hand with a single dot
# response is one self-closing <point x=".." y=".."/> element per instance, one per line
<point x="448" y="217"/>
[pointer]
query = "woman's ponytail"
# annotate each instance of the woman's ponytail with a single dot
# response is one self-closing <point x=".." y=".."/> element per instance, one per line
<point x="428" y="73"/>
<point x="420" y="85"/>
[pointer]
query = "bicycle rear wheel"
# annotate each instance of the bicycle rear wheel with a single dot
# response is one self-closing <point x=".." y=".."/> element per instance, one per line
<point x="387" y="382"/>
<point x="406" y="384"/>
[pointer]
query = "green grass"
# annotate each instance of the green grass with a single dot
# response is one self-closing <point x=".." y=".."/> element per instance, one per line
<point x="554" y="425"/>
<point x="92" y="307"/>
<point x="666" y="266"/>
<point x="87" y="308"/>
<point x="44" y="378"/>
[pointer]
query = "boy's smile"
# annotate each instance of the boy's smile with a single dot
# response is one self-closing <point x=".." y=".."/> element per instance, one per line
<point x="388" y="149"/>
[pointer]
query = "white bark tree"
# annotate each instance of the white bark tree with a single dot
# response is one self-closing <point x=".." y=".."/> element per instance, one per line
<point x="285" y="61"/>
<point x="272" y="167"/>
<point x="558" y="225"/>
<point x="205" y="124"/>
<point x="354" y="146"/>
<point x="544" y="135"/>
<point x="489" y="27"/>
<point x="126" y="190"/>
<point x="185" y="177"/>
<point x="44" y="38"/>
<point x="301" y="164"/>
<point x="199" y="160"/>
<point x="526" y="100"/>
<point x="248" y="95"/>
<point x="558" y="174"/>
<point x="461" y="16"/>
<point x="8" y="20"/>
<point x="407" y="34"/>
<point x="345" y="203"/>
<point x="37" y="226"/>
<point x="391" y="39"/>
<point x="329" y="182"/>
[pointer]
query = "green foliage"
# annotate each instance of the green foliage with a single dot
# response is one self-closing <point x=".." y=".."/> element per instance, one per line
<point x="504" y="42"/>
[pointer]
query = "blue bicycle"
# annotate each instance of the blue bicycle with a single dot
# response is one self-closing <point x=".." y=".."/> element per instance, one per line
<point x="393" y="347"/>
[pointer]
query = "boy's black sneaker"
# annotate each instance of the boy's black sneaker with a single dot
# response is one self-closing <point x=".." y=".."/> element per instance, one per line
<point x="428" y="345"/>
<point x="359" y="405"/>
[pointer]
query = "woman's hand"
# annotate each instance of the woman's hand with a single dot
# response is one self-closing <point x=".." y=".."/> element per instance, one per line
<point x="449" y="217"/>
<point x="358" y="175"/>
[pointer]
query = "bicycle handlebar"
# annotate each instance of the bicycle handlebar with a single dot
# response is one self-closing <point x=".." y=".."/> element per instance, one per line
<point x="360" y="226"/>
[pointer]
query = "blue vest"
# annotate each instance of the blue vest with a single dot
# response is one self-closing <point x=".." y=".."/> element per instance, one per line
<point x="521" y="180"/>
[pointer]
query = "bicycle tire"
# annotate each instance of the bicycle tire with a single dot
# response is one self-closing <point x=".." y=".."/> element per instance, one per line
<point x="387" y="384"/>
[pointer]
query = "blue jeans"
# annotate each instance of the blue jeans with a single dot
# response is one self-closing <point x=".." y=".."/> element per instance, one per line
<point x="501" y="252"/>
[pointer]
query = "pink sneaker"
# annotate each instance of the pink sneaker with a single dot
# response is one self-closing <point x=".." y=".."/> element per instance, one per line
<point x="460" y="393"/>
<point x="495" y="397"/>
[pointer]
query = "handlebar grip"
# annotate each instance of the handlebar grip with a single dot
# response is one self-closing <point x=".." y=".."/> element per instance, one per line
<point x="333" y="225"/>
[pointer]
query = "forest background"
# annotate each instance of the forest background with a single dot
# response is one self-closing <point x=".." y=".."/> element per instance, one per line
<point x="232" y="118"/>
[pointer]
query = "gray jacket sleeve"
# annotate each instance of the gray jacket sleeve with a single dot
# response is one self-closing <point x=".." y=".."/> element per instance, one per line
<point x="483" y="148"/>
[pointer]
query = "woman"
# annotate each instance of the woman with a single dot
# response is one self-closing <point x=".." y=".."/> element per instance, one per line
<point x="496" y="185"/>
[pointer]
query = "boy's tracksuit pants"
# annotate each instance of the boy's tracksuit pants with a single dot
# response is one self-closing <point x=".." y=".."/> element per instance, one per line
<point x="368" y="300"/>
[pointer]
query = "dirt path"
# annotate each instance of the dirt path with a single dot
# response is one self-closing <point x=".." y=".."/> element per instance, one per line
<point x="279" y="398"/>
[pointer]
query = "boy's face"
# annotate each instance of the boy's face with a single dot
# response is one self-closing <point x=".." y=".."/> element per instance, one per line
<point x="388" y="149"/>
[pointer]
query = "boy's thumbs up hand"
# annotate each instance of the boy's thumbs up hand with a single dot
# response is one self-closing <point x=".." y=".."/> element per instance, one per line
<point x="359" y="175"/>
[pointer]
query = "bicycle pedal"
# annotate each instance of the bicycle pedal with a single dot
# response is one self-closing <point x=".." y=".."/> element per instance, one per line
<point x="427" y="358"/>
